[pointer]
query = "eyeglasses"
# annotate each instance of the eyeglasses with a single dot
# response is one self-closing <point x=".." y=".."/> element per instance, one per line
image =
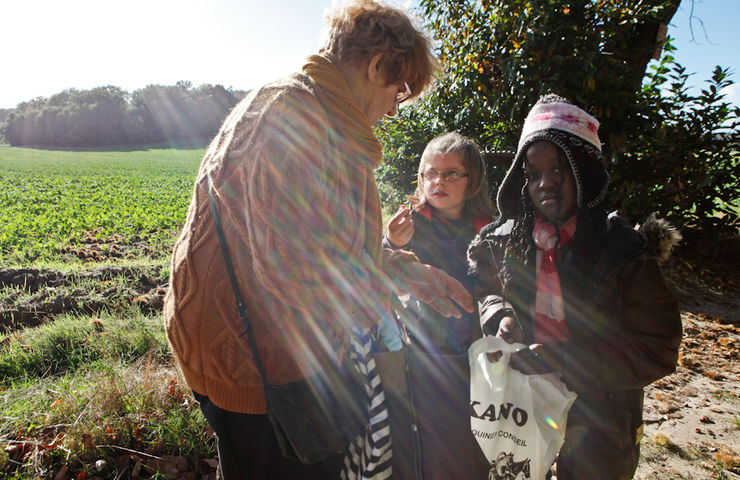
<point x="448" y="177"/>
<point x="405" y="95"/>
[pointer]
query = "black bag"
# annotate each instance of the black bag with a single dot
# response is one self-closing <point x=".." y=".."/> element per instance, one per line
<point x="316" y="417"/>
<point x="428" y="401"/>
<point x="312" y="418"/>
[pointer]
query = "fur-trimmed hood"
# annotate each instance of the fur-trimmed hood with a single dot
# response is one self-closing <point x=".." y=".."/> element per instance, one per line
<point x="660" y="237"/>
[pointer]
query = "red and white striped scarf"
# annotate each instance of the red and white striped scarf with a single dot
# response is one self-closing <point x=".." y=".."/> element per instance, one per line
<point x="549" y="325"/>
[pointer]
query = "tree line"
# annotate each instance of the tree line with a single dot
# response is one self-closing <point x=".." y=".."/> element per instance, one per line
<point x="106" y="116"/>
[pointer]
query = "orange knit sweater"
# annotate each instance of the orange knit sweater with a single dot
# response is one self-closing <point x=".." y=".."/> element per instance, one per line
<point x="292" y="174"/>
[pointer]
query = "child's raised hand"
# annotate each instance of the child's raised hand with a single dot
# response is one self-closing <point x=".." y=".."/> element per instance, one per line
<point x="401" y="227"/>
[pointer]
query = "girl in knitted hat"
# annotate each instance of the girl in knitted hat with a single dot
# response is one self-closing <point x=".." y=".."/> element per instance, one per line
<point x="450" y="205"/>
<point x="582" y="288"/>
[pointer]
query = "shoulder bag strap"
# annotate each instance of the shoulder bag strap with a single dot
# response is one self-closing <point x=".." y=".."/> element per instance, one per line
<point x="507" y="311"/>
<point x="240" y="305"/>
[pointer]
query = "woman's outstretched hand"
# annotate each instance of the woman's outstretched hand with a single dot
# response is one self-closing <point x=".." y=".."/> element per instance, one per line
<point x="436" y="288"/>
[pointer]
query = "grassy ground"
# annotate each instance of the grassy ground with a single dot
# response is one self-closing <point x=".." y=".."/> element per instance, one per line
<point x="85" y="392"/>
<point x="89" y="388"/>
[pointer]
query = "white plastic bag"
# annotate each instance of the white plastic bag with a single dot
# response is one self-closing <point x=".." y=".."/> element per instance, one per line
<point x="518" y="420"/>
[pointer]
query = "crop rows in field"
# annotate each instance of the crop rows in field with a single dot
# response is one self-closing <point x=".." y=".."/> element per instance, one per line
<point x="62" y="203"/>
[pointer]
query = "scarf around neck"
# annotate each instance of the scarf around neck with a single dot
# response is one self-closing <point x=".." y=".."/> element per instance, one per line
<point x="549" y="325"/>
<point x="356" y="141"/>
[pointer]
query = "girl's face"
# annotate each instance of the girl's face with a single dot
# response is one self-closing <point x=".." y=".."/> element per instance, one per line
<point x="550" y="183"/>
<point x="445" y="181"/>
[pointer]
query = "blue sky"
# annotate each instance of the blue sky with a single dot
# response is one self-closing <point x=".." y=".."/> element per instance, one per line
<point x="715" y="40"/>
<point x="52" y="45"/>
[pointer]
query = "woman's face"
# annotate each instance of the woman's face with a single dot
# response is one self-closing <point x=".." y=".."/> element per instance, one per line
<point x="445" y="182"/>
<point x="384" y="101"/>
<point x="550" y="183"/>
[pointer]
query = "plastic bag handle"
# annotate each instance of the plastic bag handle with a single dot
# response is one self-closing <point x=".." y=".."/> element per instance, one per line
<point x="491" y="344"/>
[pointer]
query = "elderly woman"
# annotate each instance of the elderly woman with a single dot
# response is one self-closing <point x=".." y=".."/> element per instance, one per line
<point x="291" y="177"/>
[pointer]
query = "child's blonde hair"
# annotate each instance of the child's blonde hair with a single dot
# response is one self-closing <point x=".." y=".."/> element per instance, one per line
<point x="478" y="201"/>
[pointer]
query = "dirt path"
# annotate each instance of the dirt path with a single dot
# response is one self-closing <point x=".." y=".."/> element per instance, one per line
<point x="692" y="417"/>
<point x="32" y="296"/>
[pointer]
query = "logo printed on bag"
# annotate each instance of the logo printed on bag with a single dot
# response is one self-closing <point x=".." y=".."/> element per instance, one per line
<point x="505" y="468"/>
<point x="518" y="415"/>
<point x="515" y="416"/>
<point x="500" y="433"/>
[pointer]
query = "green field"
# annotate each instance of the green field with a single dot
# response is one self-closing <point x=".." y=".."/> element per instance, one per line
<point x="88" y="387"/>
<point x="53" y="201"/>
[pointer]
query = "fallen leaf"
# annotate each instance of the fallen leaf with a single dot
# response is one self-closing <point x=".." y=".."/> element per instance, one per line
<point x="100" y="465"/>
<point x="136" y="469"/>
<point x="714" y="375"/>
<point x="727" y="456"/>
<point x="211" y="462"/>
<point x="121" y="465"/>
<point x="62" y="474"/>
<point x="662" y="440"/>
<point x="87" y="441"/>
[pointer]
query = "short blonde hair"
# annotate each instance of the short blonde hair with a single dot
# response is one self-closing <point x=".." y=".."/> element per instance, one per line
<point x="478" y="200"/>
<point x="358" y="30"/>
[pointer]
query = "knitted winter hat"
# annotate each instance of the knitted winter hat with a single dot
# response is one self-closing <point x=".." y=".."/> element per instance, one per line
<point x="575" y="132"/>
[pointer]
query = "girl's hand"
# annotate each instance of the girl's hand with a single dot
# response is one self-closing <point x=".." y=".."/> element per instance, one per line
<point x="400" y="227"/>
<point x="535" y="360"/>
<point x="509" y="330"/>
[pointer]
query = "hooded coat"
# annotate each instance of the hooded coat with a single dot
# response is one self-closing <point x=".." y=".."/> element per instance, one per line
<point x="625" y="332"/>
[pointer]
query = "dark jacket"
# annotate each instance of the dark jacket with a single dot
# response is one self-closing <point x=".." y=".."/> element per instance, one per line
<point x="442" y="244"/>
<point x="625" y="332"/>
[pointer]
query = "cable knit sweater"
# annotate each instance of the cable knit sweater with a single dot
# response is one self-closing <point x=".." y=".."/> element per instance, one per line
<point x="291" y="171"/>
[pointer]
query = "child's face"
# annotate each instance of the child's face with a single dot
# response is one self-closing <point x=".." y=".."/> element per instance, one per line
<point x="550" y="183"/>
<point x="445" y="183"/>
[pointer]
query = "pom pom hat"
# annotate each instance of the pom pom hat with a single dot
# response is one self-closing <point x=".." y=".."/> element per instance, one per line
<point x="572" y="130"/>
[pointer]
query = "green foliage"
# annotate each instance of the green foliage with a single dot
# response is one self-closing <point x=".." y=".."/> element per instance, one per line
<point x="53" y="201"/>
<point x="682" y="157"/>
<point x="501" y="55"/>
<point x="668" y="151"/>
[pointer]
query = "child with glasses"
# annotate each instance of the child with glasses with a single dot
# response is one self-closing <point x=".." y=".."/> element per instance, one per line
<point x="450" y="205"/>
